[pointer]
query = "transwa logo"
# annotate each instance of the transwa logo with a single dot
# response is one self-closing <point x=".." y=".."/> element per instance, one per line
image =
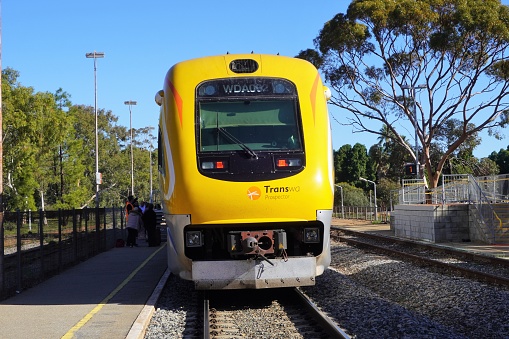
<point x="254" y="193"/>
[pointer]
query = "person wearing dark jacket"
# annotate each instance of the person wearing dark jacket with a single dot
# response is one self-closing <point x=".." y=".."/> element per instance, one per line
<point x="150" y="222"/>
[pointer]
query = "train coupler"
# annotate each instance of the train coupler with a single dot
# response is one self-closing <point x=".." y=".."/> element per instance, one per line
<point x="258" y="243"/>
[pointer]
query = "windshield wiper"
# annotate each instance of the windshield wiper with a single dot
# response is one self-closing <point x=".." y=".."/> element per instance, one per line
<point x="242" y="145"/>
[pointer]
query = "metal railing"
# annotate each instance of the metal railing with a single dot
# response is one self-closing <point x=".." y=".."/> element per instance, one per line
<point x="455" y="188"/>
<point x="464" y="188"/>
<point x="37" y="245"/>
<point x="413" y="191"/>
<point x="361" y="213"/>
<point x="495" y="187"/>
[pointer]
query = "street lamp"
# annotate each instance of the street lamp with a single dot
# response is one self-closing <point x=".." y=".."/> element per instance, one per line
<point x="150" y="163"/>
<point x="376" y="208"/>
<point x="95" y="55"/>
<point x="130" y="104"/>
<point x="342" y="210"/>
<point x="412" y="91"/>
<point x="150" y="158"/>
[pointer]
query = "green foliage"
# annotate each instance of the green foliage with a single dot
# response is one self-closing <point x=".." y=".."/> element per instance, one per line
<point x="49" y="151"/>
<point x="352" y="196"/>
<point x="501" y="158"/>
<point x="377" y="54"/>
<point x="342" y="35"/>
<point x="388" y="156"/>
<point x="387" y="193"/>
<point x="386" y="160"/>
<point x="500" y="70"/>
<point x="351" y="163"/>
<point x="312" y="56"/>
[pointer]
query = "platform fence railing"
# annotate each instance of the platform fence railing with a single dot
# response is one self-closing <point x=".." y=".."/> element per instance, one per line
<point x="39" y="244"/>
<point x="362" y="213"/>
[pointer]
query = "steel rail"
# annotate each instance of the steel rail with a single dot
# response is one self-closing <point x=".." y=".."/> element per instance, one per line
<point x="436" y="247"/>
<point x="462" y="270"/>
<point x="206" y="316"/>
<point x="325" y="322"/>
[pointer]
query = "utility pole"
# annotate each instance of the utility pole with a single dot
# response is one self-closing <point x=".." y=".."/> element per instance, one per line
<point x="374" y="184"/>
<point x="94" y="55"/>
<point x="131" y="103"/>
<point x="1" y="169"/>
<point x="412" y="93"/>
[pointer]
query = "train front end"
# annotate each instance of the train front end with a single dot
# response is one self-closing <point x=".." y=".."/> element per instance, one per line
<point x="246" y="173"/>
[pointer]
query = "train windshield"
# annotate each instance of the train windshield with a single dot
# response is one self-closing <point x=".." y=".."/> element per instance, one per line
<point x="249" y="122"/>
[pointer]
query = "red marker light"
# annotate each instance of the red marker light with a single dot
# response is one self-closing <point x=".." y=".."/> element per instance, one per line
<point x="282" y="163"/>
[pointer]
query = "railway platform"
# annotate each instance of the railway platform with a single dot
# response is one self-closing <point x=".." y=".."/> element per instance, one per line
<point x="110" y="296"/>
<point x="499" y="251"/>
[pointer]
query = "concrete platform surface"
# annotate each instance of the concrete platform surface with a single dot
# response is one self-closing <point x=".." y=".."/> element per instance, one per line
<point x="102" y="297"/>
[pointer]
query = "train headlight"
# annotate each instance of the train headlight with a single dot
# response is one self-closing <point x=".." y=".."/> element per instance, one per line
<point x="282" y="87"/>
<point x="194" y="239"/>
<point x="210" y="90"/>
<point x="243" y="66"/>
<point x="311" y="235"/>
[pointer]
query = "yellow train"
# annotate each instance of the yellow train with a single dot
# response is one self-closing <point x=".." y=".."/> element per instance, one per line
<point x="246" y="171"/>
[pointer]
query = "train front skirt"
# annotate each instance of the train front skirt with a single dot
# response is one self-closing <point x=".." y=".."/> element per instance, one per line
<point x="254" y="273"/>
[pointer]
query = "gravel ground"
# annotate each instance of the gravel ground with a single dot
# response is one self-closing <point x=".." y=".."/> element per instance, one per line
<point x="175" y="307"/>
<point x="373" y="296"/>
<point x="479" y="263"/>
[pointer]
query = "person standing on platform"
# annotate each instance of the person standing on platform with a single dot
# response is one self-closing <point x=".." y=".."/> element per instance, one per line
<point x="150" y="223"/>
<point x="128" y="207"/>
<point x="143" y="207"/>
<point x="134" y="225"/>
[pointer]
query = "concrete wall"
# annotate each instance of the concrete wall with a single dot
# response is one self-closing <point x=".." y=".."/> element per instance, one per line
<point x="434" y="223"/>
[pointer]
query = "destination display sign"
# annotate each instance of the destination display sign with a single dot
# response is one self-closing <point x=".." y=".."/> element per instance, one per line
<point x="245" y="87"/>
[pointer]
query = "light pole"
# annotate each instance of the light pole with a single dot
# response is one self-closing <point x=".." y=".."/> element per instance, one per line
<point x="376" y="208"/>
<point x="95" y="55"/>
<point x="130" y="104"/>
<point x="342" y="210"/>
<point x="412" y="91"/>
<point x="150" y="158"/>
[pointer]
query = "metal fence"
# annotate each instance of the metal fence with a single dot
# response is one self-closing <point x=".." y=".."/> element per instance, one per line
<point x="413" y="191"/>
<point x="456" y="188"/>
<point x="481" y="193"/>
<point x="361" y="213"/>
<point x="495" y="187"/>
<point x="37" y="245"/>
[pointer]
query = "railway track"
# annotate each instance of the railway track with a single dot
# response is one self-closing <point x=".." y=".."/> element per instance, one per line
<point x="281" y="313"/>
<point x="474" y="266"/>
<point x="375" y="287"/>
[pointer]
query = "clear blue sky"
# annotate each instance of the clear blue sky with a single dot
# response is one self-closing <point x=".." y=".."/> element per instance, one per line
<point x="46" y="41"/>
